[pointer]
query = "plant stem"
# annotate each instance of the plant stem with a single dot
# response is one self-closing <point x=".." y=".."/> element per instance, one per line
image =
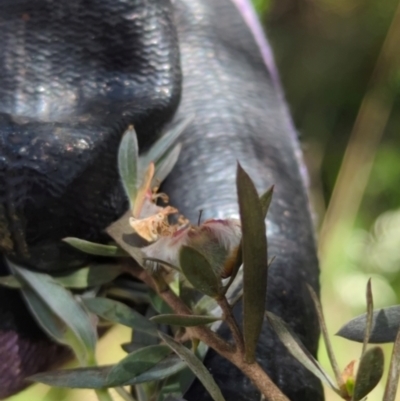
<point x="252" y="370"/>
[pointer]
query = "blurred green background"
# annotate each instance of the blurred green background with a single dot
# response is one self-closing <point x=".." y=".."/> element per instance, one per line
<point x="339" y="65"/>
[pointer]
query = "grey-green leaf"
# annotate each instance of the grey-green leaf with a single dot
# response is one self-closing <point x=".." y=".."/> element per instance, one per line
<point x="394" y="372"/>
<point x="184" y="320"/>
<point x="137" y="363"/>
<point x="117" y="312"/>
<point x="196" y="366"/>
<point x="255" y="261"/>
<point x="164" y="144"/>
<point x="39" y="289"/>
<point x="166" y="164"/>
<point x="97" y="377"/>
<point x="128" y="155"/>
<point x="385" y="325"/>
<point x="198" y="271"/>
<point x="297" y="349"/>
<point x="92" y="248"/>
<point x="369" y="373"/>
<point x="93" y="377"/>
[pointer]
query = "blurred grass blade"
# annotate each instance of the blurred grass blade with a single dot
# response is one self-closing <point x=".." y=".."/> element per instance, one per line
<point x="369" y="373"/>
<point x="196" y="367"/>
<point x="370" y="311"/>
<point x="93" y="377"/>
<point x="164" y="144"/>
<point x="166" y="164"/>
<point x="265" y="200"/>
<point x="9" y="281"/>
<point x="255" y="261"/>
<point x="297" y="349"/>
<point x="43" y="294"/>
<point x="327" y="341"/>
<point x="394" y="372"/>
<point x="137" y="363"/>
<point x="92" y="248"/>
<point x="117" y="312"/>
<point x="385" y="324"/>
<point x="198" y="271"/>
<point x="184" y="320"/>
<point x="128" y="155"/>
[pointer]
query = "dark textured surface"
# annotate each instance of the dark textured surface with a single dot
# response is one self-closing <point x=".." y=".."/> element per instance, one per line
<point x="240" y="116"/>
<point x="73" y="76"/>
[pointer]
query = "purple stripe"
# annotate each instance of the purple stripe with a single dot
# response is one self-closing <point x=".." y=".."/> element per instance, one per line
<point x="249" y="15"/>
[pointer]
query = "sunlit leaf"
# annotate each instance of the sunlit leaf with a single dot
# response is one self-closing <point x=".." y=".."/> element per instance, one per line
<point x="128" y="154"/>
<point x="183" y="320"/>
<point x="385" y="325"/>
<point x="196" y="366"/>
<point x="297" y="349"/>
<point x="137" y="363"/>
<point x="369" y="373"/>
<point x="117" y="312"/>
<point x="92" y="248"/>
<point x="199" y="272"/>
<point x="394" y="372"/>
<point x="255" y="261"/>
<point x="42" y="294"/>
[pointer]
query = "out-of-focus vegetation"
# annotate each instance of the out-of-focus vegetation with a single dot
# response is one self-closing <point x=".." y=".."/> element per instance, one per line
<point x="339" y="63"/>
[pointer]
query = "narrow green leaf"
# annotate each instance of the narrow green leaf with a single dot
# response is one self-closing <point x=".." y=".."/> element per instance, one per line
<point x="39" y="289"/>
<point x="166" y="164"/>
<point x="103" y="394"/>
<point x="369" y="373"/>
<point x="394" y="372"/>
<point x="255" y="261"/>
<point x="196" y="366"/>
<point x="55" y="327"/>
<point x="325" y="335"/>
<point x="128" y="155"/>
<point x="169" y="366"/>
<point x="370" y="314"/>
<point x="164" y="144"/>
<point x="97" y="377"/>
<point x="137" y="363"/>
<point x="184" y="320"/>
<point x="158" y="303"/>
<point x="385" y="325"/>
<point x="92" y="248"/>
<point x="198" y="271"/>
<point x="93" y="377"/>
<point x="297" y="349"/>
<point x="117" y="312"/>
<point x="265" y="200"/>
